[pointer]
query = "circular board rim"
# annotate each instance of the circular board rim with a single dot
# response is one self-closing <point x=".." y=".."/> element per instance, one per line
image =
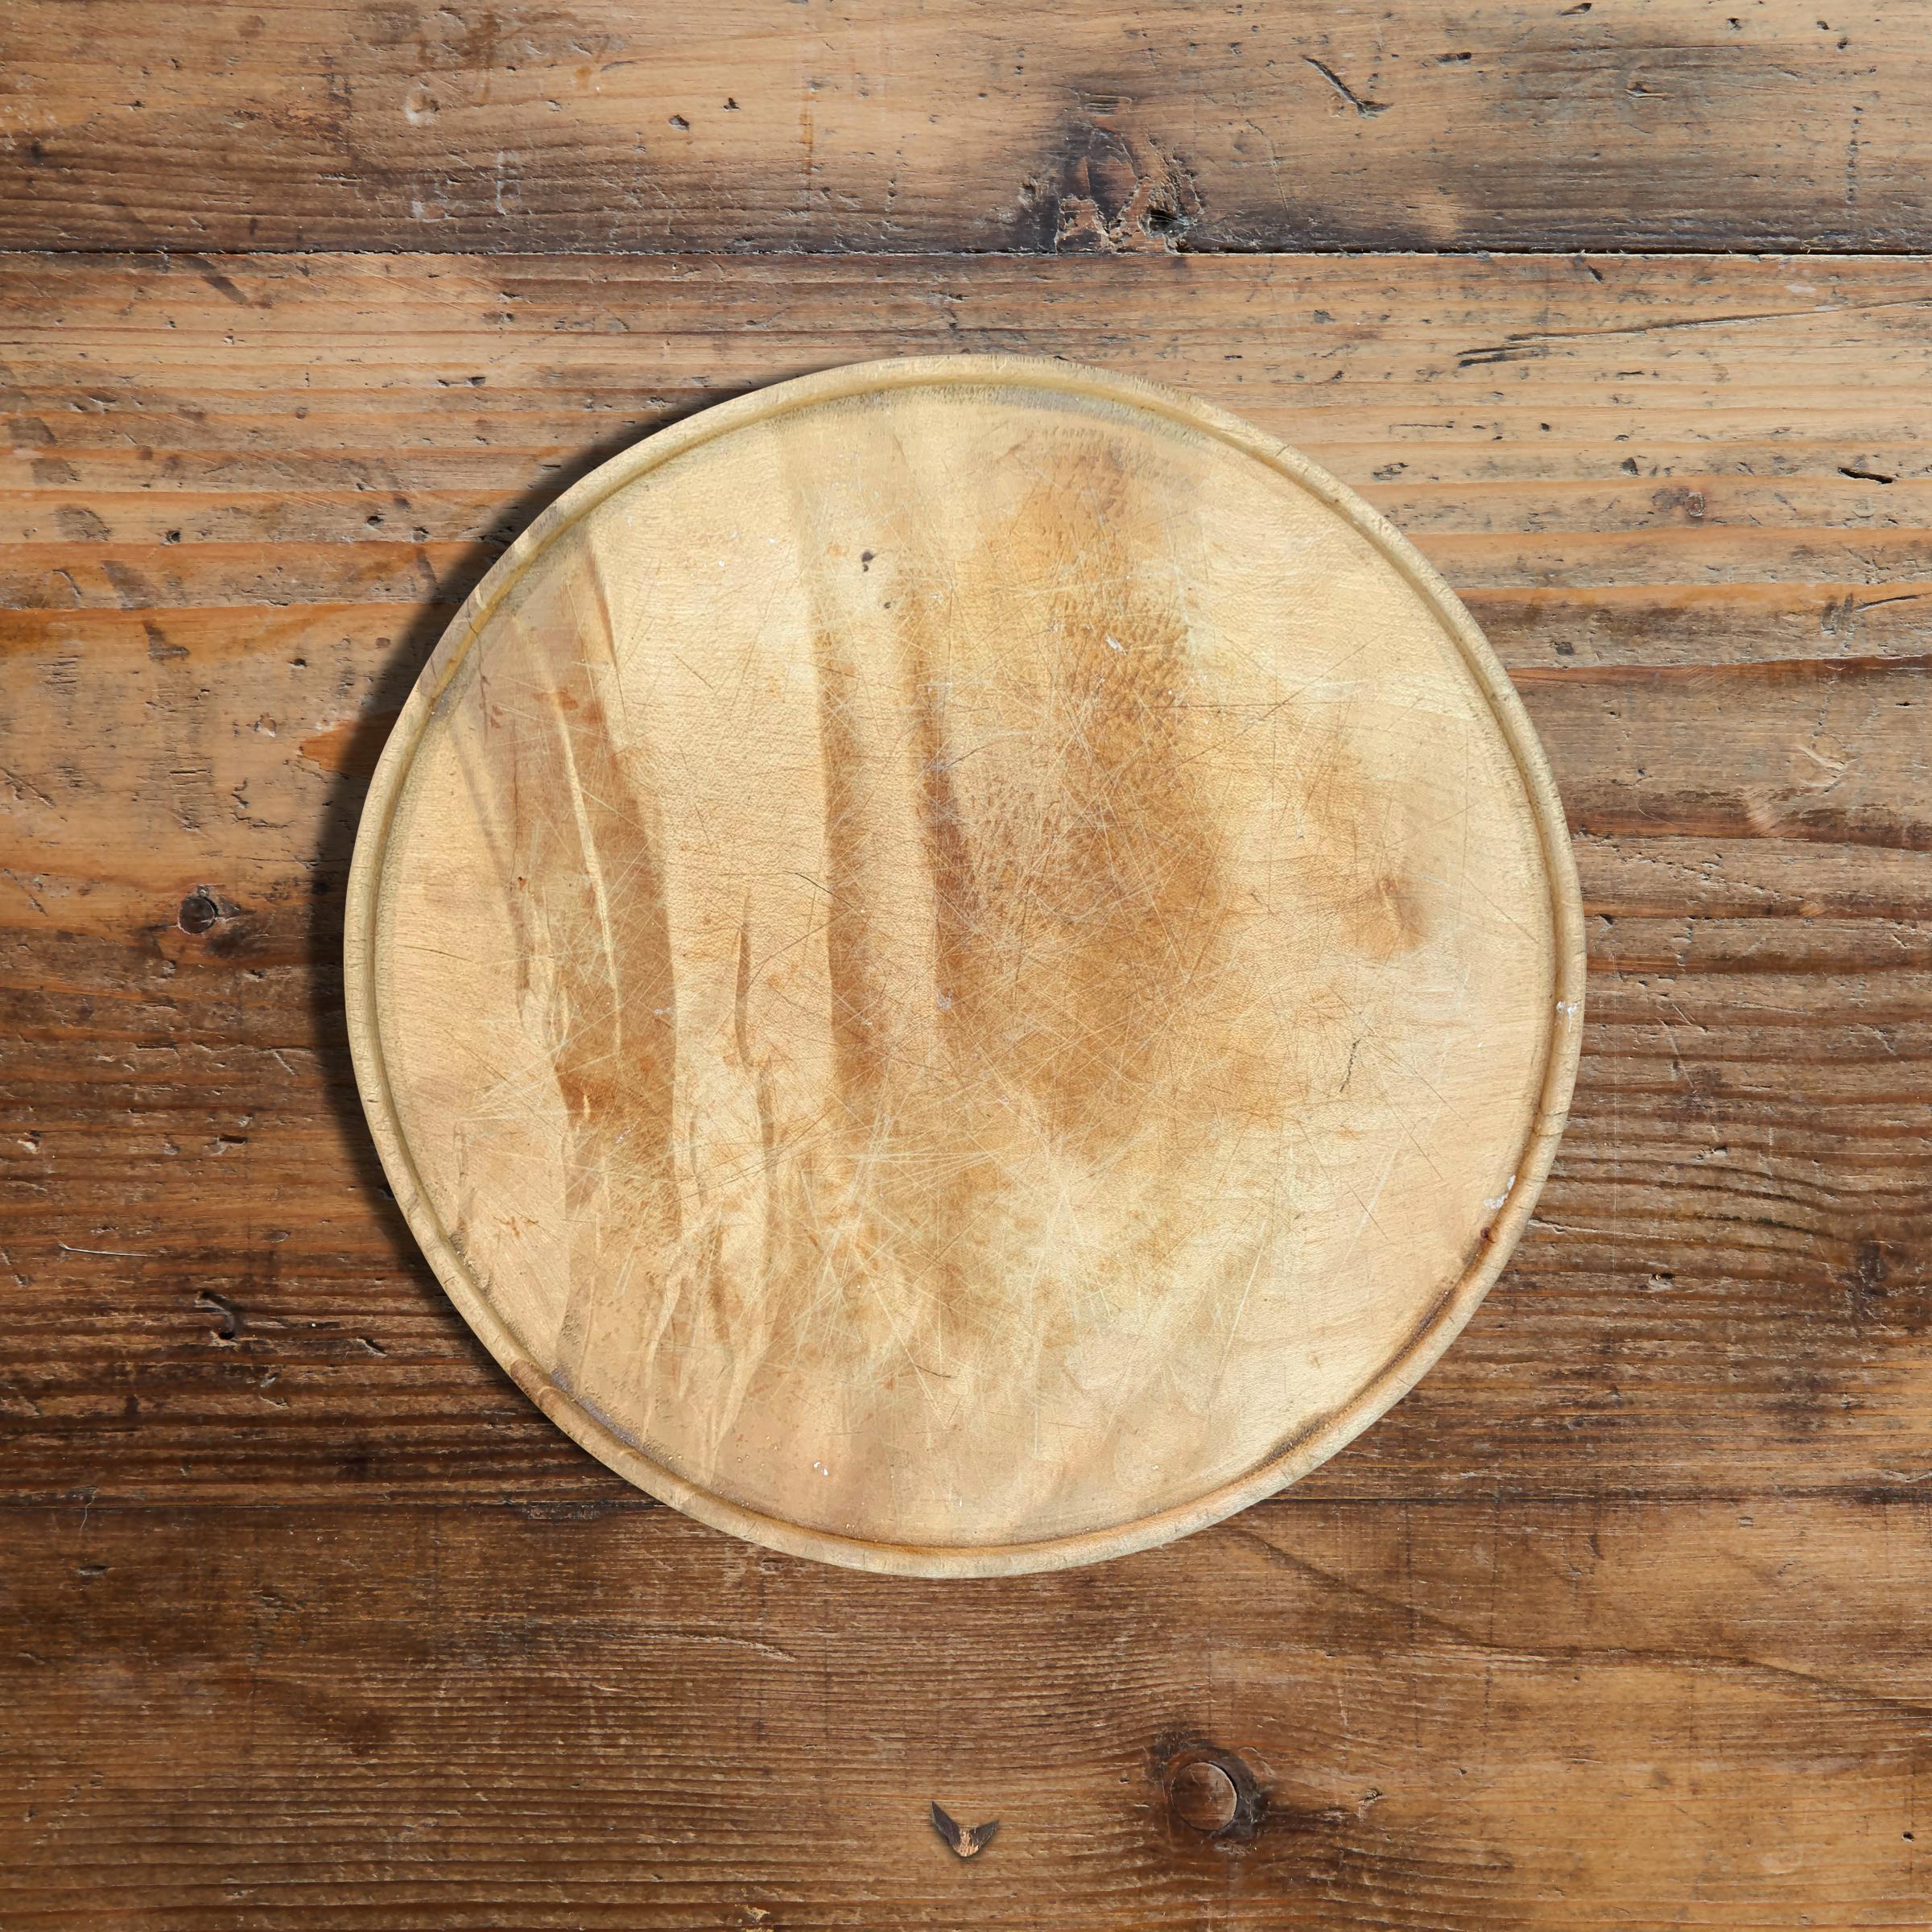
<point x="1292" y="1458"/>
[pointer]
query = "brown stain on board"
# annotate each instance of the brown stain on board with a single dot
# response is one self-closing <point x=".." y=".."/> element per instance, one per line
<point x="1355" y="857"/>
<point x="1106" y="909"/>
<point x="593" y="941"/>
<point x="857" y="987"/>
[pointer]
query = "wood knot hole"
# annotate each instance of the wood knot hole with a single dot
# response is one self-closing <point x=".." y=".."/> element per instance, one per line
<point x="198" y="912"/>
<point x="1203" y="1796"/>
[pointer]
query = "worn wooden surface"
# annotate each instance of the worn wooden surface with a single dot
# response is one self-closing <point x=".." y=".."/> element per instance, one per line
<point x="963" y="965"/>
<point x="310" y="1620"/>
<point x="232" y="555"/>
<point x="1637" y="1571"/>
<point x="1548" y="1715"/>
<point x="865" y="125"/>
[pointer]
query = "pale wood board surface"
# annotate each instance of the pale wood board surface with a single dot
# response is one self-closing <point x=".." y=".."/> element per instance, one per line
<point x="1714" y="608"/>
<point x="963" y="965"/>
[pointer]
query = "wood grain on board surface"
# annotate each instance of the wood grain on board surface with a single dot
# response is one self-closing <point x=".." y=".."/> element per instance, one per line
<point x="232" y="555"/>
<point x="966" y="125"/>
<point x="1617" y="1619"/>
<point x="1462" y="1715"/>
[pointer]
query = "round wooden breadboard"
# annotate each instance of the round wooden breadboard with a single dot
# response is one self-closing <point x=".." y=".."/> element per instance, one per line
<point x="963" y="965"/>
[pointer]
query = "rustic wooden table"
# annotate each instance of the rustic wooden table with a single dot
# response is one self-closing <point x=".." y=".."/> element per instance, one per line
<point x="311" y="1619"/>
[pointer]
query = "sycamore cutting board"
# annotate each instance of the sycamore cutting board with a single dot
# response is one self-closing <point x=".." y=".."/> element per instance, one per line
<point x="963" y="965"/>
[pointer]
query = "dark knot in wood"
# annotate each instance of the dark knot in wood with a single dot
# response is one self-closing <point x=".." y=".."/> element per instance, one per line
<point x="1203" y="1796"/>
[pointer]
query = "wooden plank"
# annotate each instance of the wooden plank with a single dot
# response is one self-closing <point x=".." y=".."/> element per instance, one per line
<point x="1722" y="634"/>
<point x="1460" y="1715"/>
<point x="965" y="125"/>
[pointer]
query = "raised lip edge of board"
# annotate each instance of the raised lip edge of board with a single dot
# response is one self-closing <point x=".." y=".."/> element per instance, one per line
<point x="1291" y="1458"/>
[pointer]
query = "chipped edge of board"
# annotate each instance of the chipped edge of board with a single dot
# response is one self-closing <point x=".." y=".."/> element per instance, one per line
<point x="1291" y="1458"/>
